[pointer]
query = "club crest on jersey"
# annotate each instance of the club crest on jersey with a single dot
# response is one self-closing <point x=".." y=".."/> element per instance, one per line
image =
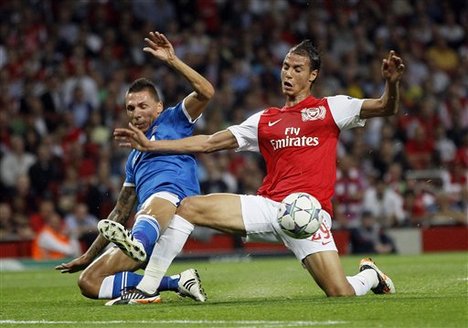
<point x="313" y="113"/>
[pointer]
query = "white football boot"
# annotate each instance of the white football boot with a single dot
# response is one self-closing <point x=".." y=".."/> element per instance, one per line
<point x="385" y="285"/>
<point x="135" y="296"/>
<point x="190" y="285"/>
<point x="116" y="233"/>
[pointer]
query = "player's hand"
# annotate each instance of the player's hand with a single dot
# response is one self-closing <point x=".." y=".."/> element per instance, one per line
<point x="160" y="47"/>
<point x="75" y="265"/>
<point x="132" y="138"/>
<point x="392" y="67"/>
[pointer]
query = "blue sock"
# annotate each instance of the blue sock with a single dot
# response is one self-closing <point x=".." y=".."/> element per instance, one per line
<point x="146" y="230"/>
<point x="169" y="283"/>
<point x="123" y="280"/>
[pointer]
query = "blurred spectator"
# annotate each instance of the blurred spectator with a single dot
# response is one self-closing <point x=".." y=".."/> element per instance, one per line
<point x="215" y="176"/>
<point x="370" y="237"/>
<point x="384" y="204"/>
<point x="37" y="220"/>
<point x="419" y="149"/>
<point x="7" y="231"/>
<point x="100" y="193"/>
<point x="81" y="225"/>
<point x="79" y="107"/>
<point x="451" y="30"/>
<point x="15" y="162"/>
<point x="442" y="55"/>
<point x="45" y="173"/>
<point x="53" y="101"/>
<point x="22" y="228"/>
<point x="418" y="202"/>
<point x="13" y="226"/>
<point x="71" y="187"/>
<point x="447" y="212"/>
<point x="385" y="156"/>
<point x="80" y="80"/>
<point x="23" y="196"/>
<point x="445" y="147"/>
<point x="53" y="242"/>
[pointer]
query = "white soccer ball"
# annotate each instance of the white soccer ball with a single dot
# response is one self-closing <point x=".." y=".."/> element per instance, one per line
<point x="299" y="216"/>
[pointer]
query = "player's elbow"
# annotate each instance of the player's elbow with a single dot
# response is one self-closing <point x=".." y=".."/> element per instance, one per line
<point x="206" y="93"/>
<point x="209" y="91"/>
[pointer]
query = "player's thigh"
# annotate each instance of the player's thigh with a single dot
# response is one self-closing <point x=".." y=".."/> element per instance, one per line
<point x="161" y="207"/>
<point x="110" y="262"/>
<point x="218" y="211"/>
<point x="326" y="269"/>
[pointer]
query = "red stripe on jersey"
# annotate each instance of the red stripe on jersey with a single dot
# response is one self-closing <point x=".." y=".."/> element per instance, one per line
<point x="299" y="147"/>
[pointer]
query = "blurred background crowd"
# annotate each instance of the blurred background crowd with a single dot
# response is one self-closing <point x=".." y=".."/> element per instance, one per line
<point x="65" y="65"/>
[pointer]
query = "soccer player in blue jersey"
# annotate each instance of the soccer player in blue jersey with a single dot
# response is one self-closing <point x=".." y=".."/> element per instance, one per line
<point x="156" y="182"/>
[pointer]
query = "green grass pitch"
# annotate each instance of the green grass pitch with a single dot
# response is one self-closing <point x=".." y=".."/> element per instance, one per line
<point x="432" y="291"/>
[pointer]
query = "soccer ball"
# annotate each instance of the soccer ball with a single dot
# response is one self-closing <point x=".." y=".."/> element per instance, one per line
<point x="299" y="216"/>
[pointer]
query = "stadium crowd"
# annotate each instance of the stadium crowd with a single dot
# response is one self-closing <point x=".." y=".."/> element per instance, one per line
<point x="64" y="67"/>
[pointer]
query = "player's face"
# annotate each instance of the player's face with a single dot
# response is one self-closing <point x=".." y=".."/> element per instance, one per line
<point x="296" y="75"/>
<point x="142" y="109"/>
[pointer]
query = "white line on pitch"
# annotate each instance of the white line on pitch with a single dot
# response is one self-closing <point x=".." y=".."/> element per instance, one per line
<point x="249" y="323"/>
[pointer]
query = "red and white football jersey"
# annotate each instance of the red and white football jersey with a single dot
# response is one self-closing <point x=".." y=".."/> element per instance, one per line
<point x="299" y="144"/>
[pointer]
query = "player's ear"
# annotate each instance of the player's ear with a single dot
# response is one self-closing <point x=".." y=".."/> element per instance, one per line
<point x="159" y="107"/>
<point x="313" y="76"/>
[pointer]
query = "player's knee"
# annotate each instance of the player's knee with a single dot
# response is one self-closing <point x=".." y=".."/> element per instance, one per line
<point x="189" y="208"/>
<point x="87" y="283"/>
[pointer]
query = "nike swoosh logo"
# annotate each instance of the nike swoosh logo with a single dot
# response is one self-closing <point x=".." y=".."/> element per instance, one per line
<point x="328" y="242"/>
<point x="274" y="122"/>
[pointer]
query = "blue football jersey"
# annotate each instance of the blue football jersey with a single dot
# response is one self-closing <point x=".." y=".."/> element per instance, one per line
<point x="153" y="172"/>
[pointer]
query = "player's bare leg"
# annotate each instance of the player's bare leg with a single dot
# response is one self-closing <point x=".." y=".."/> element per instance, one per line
<point x="159" y="208"/>
<point x="327" y="271"/>
<point x="114" y="260"/>
<point x="222" y="212"/>
<point x="150" y="222"/>
<point x="108" y="264"/>
<point x="218" y="211"/>
<point x="325" y="267"/>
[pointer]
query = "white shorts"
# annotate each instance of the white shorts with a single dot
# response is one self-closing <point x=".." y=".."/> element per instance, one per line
<point x="173" y="198"/>
<point x="260" y="220"/>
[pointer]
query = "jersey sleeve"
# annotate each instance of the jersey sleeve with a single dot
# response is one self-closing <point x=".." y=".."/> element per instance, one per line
<point x="176" y="119"/>
<point x="246" y="133"/>
<point x="345" y="111"/>
<point x="187" y="115"/>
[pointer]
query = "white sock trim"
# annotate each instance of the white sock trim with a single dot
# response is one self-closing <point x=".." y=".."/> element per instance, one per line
<point x="180" y="224"/>
<point x="107" y="285"/>
<point x="151" y="220"/>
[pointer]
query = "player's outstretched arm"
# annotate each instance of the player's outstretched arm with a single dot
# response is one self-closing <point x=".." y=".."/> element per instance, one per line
<point x="120" y="213"/>
<point x="160" y="47"/>
<point x="392" y="70"/>
<point x="135" y="138"/>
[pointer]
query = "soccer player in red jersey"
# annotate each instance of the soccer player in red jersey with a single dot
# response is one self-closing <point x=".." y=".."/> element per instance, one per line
<point x="298" y="143"/>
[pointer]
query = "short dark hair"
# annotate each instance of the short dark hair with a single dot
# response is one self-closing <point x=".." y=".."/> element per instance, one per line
<point x="307" y="49"/>
<point x="144" y="84"/>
